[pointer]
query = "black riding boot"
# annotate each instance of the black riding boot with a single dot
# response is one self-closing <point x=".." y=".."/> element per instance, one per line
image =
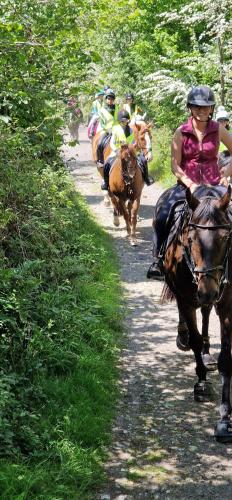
<point x="105" y="182"/>
<point x="100" y="158"/>
<point x="143" y="164"/>
<point x="155" y="271"/>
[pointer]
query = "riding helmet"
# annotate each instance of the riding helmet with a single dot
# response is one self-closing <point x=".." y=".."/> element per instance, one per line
<point x="99" y="93"/>
<point x="109" y="93"/>
<point x="123" y="115"/>
<point x="222" y="114"/>
<point x="201" y="96"/>
<point x="129" y="95"/>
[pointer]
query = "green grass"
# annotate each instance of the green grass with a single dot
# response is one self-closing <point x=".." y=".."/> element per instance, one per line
<point x="160" y="167"/>
<point x="60" y="300"/>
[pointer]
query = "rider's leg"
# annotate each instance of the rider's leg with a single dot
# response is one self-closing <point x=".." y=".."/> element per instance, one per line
<point x="155" y="271"/>
<point x="100" y="149"/>
<point x="160" y="234"/>
<point x="107" y="167"/>
<point x="143" y="165"/>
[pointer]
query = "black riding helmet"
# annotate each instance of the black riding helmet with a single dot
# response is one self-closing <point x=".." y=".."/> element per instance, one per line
<point x="201" y="96"/>
<point x="123" y="115"/>
<point x="109" y="93"/>
<point x="129" y="95"/>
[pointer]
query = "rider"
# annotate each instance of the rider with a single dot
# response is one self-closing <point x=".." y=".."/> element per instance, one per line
<point x="223" y="117"/>
<point x="94" y="113"/>
<point x="97" y="103"/>
<point x="195" y="148"/>
<point x="131" y="107"/>
<point x="107" y="119"/>
<point x="123" y="134"/>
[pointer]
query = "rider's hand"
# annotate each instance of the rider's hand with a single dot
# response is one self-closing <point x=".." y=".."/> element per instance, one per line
<point x="192" y="187"/>
<point x="223" y="181"/>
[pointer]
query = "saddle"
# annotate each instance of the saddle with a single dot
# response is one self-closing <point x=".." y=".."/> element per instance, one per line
<point x="180" y="211"/>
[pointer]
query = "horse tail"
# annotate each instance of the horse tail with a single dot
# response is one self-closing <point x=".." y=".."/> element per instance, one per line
<point x="166" y="295"/>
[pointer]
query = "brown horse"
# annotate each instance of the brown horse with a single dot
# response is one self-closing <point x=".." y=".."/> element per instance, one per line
<point x="125" y="188"/>
<point x="142" y="135"/>
<point x="198" y="270"/>
<point x="143" y="139"/>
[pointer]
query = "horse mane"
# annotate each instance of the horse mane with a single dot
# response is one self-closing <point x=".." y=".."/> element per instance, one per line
<point x="208" y="211"/>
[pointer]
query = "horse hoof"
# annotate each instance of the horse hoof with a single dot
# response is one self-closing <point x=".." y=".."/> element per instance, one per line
<point x="210" y="362"/>
<point x="106" y="202"/>
<point x="133" y="242"/>
<point x="116" y="221"/>
<point x="202" y="392"/>
<point x="182" y="341"/>
<point x="223" y="432"/>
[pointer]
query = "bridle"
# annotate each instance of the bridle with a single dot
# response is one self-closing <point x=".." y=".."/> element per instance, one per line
<point x="207" y="272"/>
<point x="140" y="146"/>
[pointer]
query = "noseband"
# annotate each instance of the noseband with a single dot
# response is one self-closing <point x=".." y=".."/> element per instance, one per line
<point x="207" y="272"/>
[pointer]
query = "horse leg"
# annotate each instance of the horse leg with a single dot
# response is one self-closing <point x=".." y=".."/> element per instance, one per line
<point x="125" y="213"/>
<point x="182" y="339"/>
<point x="201" y="388"/>
<point x="223" y="430"/>
<point x="208" y="360"/>
<point x="116" y="209"/>
<point x="134" y="212"/>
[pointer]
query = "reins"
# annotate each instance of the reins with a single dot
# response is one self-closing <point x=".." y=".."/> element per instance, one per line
<point x="207" y="272"/>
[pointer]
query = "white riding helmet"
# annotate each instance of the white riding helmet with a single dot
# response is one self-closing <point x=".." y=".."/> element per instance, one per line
<point x="222" y="114"/>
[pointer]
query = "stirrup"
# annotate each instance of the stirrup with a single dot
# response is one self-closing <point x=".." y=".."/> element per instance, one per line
<point x="104" y="186"/>
<point x="149" y="181"/>
<point x="155" y="271"/>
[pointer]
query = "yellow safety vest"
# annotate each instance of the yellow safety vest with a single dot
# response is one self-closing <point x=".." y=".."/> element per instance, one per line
<point x="137" y="110"/>
<point x="118" y="138"/>
<point x="107" y="120"/>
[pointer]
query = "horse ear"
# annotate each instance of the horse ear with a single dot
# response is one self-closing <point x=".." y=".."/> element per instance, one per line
<point x="225" y="199"/>
<point x="192" y="201"/>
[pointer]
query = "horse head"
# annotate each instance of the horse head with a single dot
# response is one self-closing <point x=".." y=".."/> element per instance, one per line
<point x="143" y="138"/>
<point x="128" y="158"/>
<point x="208" y="243"/>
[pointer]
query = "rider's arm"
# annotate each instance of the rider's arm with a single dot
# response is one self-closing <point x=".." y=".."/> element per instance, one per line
<point x="226" y="138"/>
<point x="176" y="160"/>
<point x="113" y="144"/>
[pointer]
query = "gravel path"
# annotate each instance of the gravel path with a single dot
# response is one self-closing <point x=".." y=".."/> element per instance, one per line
<point x="163" y="445"/>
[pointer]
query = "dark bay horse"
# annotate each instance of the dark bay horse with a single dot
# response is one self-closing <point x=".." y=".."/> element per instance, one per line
<point x="125" y="189"/>
<point x="198" y="271"/>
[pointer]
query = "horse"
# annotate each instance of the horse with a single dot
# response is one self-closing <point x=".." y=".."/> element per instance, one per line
<point x="143" y="139"/>
<point x="125" y="188"/>
<point x="142" y="143"/>
<point x="198" y="271"/>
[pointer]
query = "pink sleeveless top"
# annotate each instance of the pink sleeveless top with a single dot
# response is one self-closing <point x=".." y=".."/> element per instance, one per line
<point x="200" y="159"/>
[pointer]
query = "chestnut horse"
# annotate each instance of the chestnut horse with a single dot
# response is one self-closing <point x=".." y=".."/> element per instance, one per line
<point x="143" y="144"/>
<point x="198" y="271"/>
<point x="125" y="188"/>
<point x="142" y="135"/>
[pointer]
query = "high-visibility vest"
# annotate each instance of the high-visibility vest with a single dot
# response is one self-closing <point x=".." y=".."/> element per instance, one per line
<point x="137" y="110"/>
<point x="96" y="107"/>
<point x="107" y="120"/>
<point x="118" y="138"/>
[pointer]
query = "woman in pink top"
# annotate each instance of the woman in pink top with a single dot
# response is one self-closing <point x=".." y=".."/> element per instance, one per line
<point x="195" y="148"/>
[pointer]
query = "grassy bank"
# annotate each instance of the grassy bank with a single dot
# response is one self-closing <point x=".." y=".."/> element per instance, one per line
<point x="60" y="328"/>
<point x="160" y="167"/>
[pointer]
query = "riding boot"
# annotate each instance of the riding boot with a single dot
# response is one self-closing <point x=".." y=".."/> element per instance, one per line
<point x="105" y="182"/>
<point x="155" y="271"/>
<point x="143" y="165"/>
<point x="147" y="178"/>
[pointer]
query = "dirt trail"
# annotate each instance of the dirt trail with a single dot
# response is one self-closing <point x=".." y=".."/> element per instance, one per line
<point x="163" y="445"/>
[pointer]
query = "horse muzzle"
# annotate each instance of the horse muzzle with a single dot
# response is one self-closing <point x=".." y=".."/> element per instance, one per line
<point x="149" y="156"/>
<point x="207" y="291"/>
